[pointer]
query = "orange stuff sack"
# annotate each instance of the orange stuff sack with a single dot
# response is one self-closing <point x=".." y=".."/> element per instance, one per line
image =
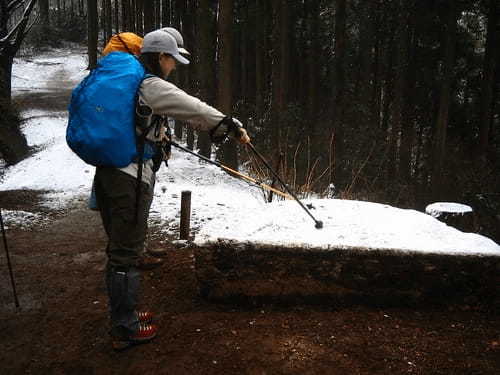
<point x="124" y="42"/>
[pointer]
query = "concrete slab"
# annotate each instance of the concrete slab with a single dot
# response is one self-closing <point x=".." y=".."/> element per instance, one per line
<point x="229" y="270"/>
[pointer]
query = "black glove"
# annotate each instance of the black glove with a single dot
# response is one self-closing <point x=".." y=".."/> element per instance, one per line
<point x="228" y="126"/>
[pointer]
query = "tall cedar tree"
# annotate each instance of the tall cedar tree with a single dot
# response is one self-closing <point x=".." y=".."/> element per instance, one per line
<point x="488" y="80"/>
<point x="448" y="48"/>
<point x="224" y="76"/>
<point x="337" y="105"/>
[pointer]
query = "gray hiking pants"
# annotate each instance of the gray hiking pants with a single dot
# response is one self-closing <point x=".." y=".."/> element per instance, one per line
<point x="116" y="198"/>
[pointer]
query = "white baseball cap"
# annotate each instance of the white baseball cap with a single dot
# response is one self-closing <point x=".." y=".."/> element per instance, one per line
<point x="178" y="38"/>
<point x="161" y="41"/>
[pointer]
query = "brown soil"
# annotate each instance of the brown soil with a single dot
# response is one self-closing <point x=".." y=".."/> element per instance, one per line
<point x="61" y="327"/>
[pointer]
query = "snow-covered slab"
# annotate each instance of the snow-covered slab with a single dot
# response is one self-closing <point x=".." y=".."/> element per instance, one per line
<point x="365" y="253"/>
<point x="347" y="224"/>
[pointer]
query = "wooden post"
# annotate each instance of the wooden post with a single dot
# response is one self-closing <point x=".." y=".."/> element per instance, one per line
<point x="185" y="215"/>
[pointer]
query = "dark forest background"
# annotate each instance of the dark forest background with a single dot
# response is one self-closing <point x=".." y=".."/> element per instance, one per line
<point x="392" y="101"/>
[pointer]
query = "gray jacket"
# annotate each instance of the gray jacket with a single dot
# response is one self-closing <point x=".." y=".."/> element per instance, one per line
<point x="166" y="99"/>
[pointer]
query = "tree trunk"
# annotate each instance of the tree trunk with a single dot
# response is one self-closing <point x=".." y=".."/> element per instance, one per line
<point x="408" y="131"/>
<point x="284" y="53"/>
<point x="116" y="17"/>
<point x="337" y="109"/>
<point x="92" y="32"/>
<point x="439" y="146"/>
<point x="400" y="92"/>
<point x="165" y="13"/>
<point x="312" y="68"/>
<point x="280" y="62"/>
<point x="148" y="16"/>
<point x="488" y="80"/>
<point x="365" y="55"/>
<point x="205" y="65"/>
<point x="178" y="78"/>
<point x="43" y="5"/>
<point x="189" y="40"/>
<point x="260" y="51"/>
<point x="109" y="21"/>
<point x="157" y="11"/>
<point x="13" y="146"/>
<point x="377" y="72"/>
<point x="6" y="60"/>
<point x="224" y="86"/>
<point x="140" y="15"/>
<point x="126" y="24"/>
<point x="134" y="16"/>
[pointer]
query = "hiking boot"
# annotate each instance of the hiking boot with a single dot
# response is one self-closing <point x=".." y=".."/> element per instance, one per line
<point x="145" y="316"/>
<point x="146" y="262"/>
<point x="144" y="334"/>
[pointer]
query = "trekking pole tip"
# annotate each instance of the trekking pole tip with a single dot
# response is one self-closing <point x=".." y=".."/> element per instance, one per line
<point x="319" y="224"/>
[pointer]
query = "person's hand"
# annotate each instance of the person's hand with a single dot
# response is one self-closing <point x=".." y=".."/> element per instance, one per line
<point x="241" y="136"/>
<point x="238" y="131"/>
<point x="229" y="126"/>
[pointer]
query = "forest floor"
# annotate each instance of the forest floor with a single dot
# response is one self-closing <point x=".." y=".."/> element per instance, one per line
<point x="62" y="324"/>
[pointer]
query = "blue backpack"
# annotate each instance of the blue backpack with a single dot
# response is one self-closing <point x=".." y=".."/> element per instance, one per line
<point x="101" y="126"/>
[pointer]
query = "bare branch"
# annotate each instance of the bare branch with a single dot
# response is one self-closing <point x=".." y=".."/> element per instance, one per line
<point x="16" y="35"/>
<point x="30" y="26"/>
<point x="13" y="5"/>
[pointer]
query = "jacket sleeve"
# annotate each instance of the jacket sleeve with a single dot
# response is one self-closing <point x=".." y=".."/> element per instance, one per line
<point x="165" y="98"/>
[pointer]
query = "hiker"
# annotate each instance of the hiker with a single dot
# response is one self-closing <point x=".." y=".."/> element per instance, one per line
<point x="124" y="214"/>
<point x="132" y="43"/>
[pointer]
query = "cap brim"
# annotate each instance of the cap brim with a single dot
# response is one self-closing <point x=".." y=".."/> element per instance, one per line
<point x="181" y="59"/>
<point x="183" y="51"/>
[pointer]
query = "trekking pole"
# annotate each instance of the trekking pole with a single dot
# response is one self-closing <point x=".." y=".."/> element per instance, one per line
<point x="319" y="223"/>
<point x="231" y="171"/>
<point x="8" y="261"/>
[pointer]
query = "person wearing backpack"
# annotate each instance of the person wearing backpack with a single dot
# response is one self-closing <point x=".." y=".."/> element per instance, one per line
<point x="123" y="193"/>
<point x="132" y="43"/>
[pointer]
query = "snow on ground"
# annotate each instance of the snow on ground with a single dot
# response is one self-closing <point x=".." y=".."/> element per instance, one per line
<point x="37" y="73"/>
<point x="54" y="167"/>
<point x="222" y="207"/>
<point x="22" y="219"/>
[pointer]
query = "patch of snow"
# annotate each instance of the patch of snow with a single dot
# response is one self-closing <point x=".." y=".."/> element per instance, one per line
<point x="41" y="128"/>
<point x="347" y="224"/>
<point x="22" y="219"/>
<point x="54" y="168"/>
<point x="38" y="73"/>
<point x="438" y="208"/>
